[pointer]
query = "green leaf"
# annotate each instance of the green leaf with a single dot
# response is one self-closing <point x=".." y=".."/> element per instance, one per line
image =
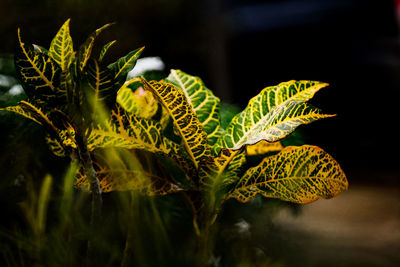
<point x="272" y="115"/>
<point x="125" y="64"/>
<point x="204" y="103"/>
<point x="61" y="47"/>
<point x="86" y="48"/>
<point x="296" y="174"/>
<point x="185" y="120"/>
<point x="105" y="49"/>
<point x="141" y="102"/>
<point x="39" y="74"/>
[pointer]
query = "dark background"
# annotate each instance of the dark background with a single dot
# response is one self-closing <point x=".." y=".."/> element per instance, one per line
<point x="239" y="47"/>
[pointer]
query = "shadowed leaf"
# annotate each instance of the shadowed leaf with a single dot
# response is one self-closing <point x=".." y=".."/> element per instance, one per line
<point x="105" y="49"/>
<point x="125" y="64"/>
<point x="86" y="48"/>
<point x="39" y="74"/>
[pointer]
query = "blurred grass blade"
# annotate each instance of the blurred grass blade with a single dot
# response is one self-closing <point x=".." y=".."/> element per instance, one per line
<point x="44" y="197"/>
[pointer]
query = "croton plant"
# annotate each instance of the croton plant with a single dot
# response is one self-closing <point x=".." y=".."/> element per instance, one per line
<point x="88" y="108"/>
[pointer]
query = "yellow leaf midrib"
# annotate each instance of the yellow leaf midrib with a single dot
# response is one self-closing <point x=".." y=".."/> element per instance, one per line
<point x="50" y="84"/>
<point x="128" y="61"/>
<point x="255" y="125"/>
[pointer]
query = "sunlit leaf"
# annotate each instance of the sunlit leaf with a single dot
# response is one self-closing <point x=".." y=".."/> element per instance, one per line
<point x="272" y="114"/>
<point x="141" y="102"/>
<point x="61" y="47"/>
<point x="125" y="64"/>
<point x="205" y="104"/>
<point x="296" y="174"/>
<point x="126" y="130"/>
<point x="39" y="74"/>
<point x="185" y="120"/>
<point x="263" y="147"/>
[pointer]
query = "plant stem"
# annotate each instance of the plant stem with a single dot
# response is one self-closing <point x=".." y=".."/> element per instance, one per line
<point x="97" y="202"/>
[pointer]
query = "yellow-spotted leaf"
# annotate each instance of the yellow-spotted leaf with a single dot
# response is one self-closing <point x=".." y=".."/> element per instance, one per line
<point x="277" y="124"/>
<point x="105" y="49"/>
<point x="61" y="47"/>
<point x="85" y="50"/>
<point x="125" y="64"/>
<point x="296" y="174"/>
<point x="60" y="133"/>
<point x="55" y="147"/>
<point x="263" y="147"/>
<point x="141" y="102"/>
<point x="205" y="104"/>
<point x="267" y="107"/>
<point x="39" y="74"/>
<point x="38" y="115"/>
<point x="125" y="130"/>
<point x="185" y="120"/>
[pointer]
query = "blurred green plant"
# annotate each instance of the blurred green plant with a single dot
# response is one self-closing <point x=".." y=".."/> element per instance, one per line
<point x="159" y="137"/>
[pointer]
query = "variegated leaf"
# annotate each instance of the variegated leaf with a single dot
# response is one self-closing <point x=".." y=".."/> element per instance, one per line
<point x="125" y="64"/>
<point x="296" y="174"/>
<point x="55" y="147"/>
<point x="105" y="49"/>
<point x="141" y="102"/>
<point x="185" y="120"/>
<point x="20" y="111"/>
<point x="61" y="47"/>
<point x="223" y="170"/>
<point x="122" y="179"/>
<point x="39" y="74"/>
<point x="271" y="106"/>
<point x="86" y="48"/>
<point x="40" y="49"/>
<point x="263" y="147"/>
<point x="205" y="104"/>
<point x="60" y="136"/>
<point x="129" y="131"/>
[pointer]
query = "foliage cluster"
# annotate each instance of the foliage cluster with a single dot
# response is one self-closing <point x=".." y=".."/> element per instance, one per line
<point x="159" y="137"/>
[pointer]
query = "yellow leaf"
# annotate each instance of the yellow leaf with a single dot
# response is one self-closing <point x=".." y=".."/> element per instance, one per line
<point x="296" y="174"/>
<point x="263" y="147"/>
<point x="185" y="120"/>
<point x="61" y="47"/>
